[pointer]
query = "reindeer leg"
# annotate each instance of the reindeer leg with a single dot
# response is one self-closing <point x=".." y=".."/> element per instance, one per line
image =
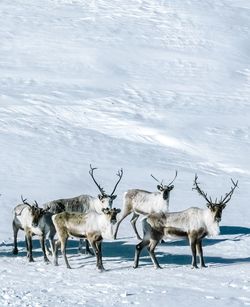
<point x="192" y="242"/>
<point x="95" y="244"/>
<point x="138" y="248"/>
<point x="51" y="241"/>
<point x="26" y="244"/>
<point x="15" y="231"/>
<point x="123" y="216"/>
<point x="42" y="243"/>
<point x="200" y="253"/>
<point x="133" y="223"/>
<point x="88" y="251"/>
<point x="63" y="250"/>
<point x="55" y="252"/>
<point x="48" y="251"/>
<point x="29" y="247"/>
<point x="52" y="246"/>
<point x="151" y="248"/>
<point x="99" y="255"/>
<point x="80" y="246"/>
<point x="48" y="246"/>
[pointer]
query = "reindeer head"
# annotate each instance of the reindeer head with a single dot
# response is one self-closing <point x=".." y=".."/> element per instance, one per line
<point x="57" y="207"/>
<point x="217" y="206"/>
<point x="36" y="212"/>
<point x="105" y="199"/>
<point x="165" y="189"/>
<point x="111" y="214"/>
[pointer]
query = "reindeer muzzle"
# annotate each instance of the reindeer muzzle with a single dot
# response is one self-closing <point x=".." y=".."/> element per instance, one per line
<point x="113" y="221"/>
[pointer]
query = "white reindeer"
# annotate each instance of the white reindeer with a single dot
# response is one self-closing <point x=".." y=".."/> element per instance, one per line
<point x="193" y="223"/>
<point x="144" y="202"/>
<point x="26" y="217"/>
<point x="91" y="225"/>
<point x="85" y="203"/>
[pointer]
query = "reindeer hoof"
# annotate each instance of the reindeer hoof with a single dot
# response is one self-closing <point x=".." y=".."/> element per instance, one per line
<point x="15" y="251"/>
<point x="157" y="267"/>
<point x="100" y="270"/>
<point x="203" y="266"/>
<point x="31" y="260"/>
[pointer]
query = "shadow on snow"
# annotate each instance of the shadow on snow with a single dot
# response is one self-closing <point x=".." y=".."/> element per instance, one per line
<point x="122" y="250"/>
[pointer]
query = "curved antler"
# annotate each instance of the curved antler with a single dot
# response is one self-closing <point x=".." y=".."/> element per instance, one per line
<point x="228" y="195"/>
<point x="223" y="201"/>
<point x="91" y="172"/>
<point x="36" y="204"/>
<point x="25" y="201"/>
<point x="161" y="183"/>
<point x="174" y="178"/>
<point x="119" y="174"/>
<point x="197" y="188"/>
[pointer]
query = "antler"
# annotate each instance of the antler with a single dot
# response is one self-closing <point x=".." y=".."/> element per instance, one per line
<point x="197" y="188"/>
<point x="119" y="174"/>
<point x="223" y="201"/>
<point x="91" y="172"/>
<point x="228" y="195"/>
<point x="161" y="183"/>
<point x="174" y="178"/>
<point x="25" y="201"/>
<point x="36" y="204"/>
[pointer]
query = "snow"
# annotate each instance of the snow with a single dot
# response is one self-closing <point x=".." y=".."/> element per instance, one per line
<point x="152" y="87"/>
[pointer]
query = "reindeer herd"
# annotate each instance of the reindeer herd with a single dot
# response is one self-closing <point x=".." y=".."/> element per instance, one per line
<point x="93" y="219"/>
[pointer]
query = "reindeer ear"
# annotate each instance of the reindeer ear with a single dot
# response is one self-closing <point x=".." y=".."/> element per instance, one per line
<point x="114" y="197"/>
<point x="100" y="196"/>
<point x="171" y="187"/>
<point x="159" y="188"/>
<point x="117" y="210"/>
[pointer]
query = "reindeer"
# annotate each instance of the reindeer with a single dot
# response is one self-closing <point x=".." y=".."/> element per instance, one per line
<point x="90" y="225"/>
<point x="136" y="201"/>
<point x="86" y="203"/>
<point x="26" y="217"/>
<point x="193" y="223"/>
<point x="41" y="225"/>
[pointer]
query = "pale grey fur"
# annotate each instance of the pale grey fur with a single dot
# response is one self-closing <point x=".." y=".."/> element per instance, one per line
<point x="34" y="221"/>
<point x="138" y="202"/>
<point x="92" y="225"/>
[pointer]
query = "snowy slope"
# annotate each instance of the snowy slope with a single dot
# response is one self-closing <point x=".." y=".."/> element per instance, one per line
<point x="150" y="86"/>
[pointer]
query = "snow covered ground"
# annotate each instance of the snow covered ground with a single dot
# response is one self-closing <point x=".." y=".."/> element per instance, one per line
<point x="152" y="86"/>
